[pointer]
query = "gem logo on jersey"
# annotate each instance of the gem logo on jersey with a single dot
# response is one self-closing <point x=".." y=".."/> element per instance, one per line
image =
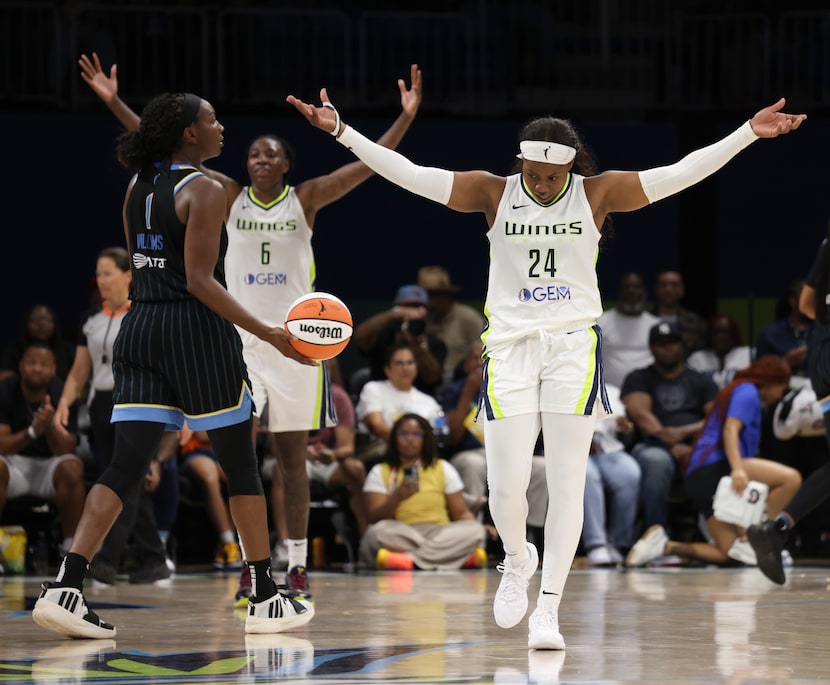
<point x="142" y="260"/>
<point x="265" y="278"/>
<point x="548" y="293"/>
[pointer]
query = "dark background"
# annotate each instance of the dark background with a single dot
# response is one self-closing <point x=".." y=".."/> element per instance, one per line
<point x="739" y="237"/>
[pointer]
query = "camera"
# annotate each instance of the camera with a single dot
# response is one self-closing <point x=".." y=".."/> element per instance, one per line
<point x="410" y="473"/>
<point x="415" y="327"/>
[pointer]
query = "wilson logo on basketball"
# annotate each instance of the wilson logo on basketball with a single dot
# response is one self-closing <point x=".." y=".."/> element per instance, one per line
<point x="323" y="332"/>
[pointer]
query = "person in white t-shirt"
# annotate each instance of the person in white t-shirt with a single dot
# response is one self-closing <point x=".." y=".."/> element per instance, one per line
<point x="625" y="330"/>
<point x="725" y="354"/>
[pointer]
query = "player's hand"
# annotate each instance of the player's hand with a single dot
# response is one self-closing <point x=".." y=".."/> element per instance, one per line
<point x="771" y="121"/>
<point x="411" y="98"/>
<point x="323" y="118"/>
<point x="105" y="87"/>
<point x="279" y="338"/>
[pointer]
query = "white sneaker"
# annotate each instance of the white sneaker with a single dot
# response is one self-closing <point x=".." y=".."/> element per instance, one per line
<point x="277" y="613"/>
<point x="510" y="604"/>
<point x="600" y="556"/>
<point x="543" y="631"/>
<point x="742" y="551"/>
<point x="649" y="547"/>
<point x="614" y="553"/>
<point x="64" y="610"/>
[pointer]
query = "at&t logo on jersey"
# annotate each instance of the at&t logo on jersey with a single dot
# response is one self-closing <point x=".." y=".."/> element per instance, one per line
<point x="266" y="278"/>
<point x="547" y="293"/>
<point x="142" y="260"/>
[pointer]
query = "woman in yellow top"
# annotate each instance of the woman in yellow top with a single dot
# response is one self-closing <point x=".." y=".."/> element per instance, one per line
<point x="415" y="504"/>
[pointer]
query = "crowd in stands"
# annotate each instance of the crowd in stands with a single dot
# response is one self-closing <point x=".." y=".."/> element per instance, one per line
<point x="406" y="461"/>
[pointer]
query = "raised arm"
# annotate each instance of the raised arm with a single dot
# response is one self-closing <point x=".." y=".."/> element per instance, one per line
<point x="468" y="191"/>
<point x="316" y="193"/>
<point x="626" y="191"/>
<point x="106" y="88"/>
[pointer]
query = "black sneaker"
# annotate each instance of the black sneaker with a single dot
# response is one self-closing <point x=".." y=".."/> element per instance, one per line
<point x="64" y="610"/>
<point x="102" y="570"/>
<point x="150" y="573"/>
<point x="768" y="542"/>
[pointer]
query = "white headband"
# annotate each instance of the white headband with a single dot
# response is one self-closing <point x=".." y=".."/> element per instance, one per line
<point x="550" y="153"/>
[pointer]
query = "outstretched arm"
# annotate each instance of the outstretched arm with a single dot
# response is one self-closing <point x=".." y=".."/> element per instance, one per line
<point x="316" y="193"/>
<point x="625" y="191"/>
<point x="106" y="88"/>
<point x="469" y="191"/>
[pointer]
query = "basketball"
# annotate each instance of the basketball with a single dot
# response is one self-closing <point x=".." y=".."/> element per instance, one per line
<point x="321" y="325"/>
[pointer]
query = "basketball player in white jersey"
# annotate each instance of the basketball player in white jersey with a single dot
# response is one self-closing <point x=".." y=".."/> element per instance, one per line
<point x="269" y="263"/>
<point x="542" y="347"/>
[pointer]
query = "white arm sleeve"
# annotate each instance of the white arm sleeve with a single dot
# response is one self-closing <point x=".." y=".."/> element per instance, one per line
<point x="429" y="182"/>
<point x="667" y="180"/>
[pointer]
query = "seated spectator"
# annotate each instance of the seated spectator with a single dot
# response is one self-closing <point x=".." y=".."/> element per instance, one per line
<point x="468" y="456"/>
<point x="405" y="323"/>
<point x="667" y="402"/>
<point x="668" y="294"/>
<point x="789" y="334"/>
<point x="418" y="517"/>
<point x="382" y="402"/>
<point x="725" y="353"/>
<point x="625" y="330"/>
<point x="457" y="325"/>
<point x="613" y="476"/>
<point x="728" y="446"/>
<point x="39" y="324"/>
<point x="35" y="459"/>
<point x="331" y="462"/>
<point x="196" y="458"/>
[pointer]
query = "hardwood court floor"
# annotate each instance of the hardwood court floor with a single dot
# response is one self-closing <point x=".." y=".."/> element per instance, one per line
<point x="667" y="626"/>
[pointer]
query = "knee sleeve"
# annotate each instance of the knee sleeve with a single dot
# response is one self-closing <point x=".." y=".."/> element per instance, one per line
<point x="136" y="443"/>
<point x="234" y="449"/>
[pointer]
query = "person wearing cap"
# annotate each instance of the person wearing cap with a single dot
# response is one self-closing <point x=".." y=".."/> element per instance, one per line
<point x="404" y="322"/>
<point x="457" y="324"/>
<point x="542" y="359"/>
<point x="667" y="401"/>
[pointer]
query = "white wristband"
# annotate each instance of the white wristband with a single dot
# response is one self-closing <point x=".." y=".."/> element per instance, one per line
<point x="337" y="122"/>
<point x="664" y="181"/>
<point x="429" y="182"/>
<point x="30" y="431"/>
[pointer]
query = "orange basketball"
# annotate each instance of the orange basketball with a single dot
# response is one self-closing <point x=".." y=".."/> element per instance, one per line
<point x="321" y="325"/>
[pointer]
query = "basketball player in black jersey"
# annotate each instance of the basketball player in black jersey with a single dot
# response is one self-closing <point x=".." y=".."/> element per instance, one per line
<point x="177" y="356"/>
<point x="768" y="538"/>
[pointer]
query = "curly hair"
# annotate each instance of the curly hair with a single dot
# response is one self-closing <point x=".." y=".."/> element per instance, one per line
<point x="159" y="134"/>
<point x="429" y="451"/>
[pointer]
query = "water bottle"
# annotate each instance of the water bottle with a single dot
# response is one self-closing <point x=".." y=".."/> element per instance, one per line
<point x="442" y="430"/>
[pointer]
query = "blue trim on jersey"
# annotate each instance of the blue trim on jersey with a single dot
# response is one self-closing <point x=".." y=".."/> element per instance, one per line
<point x="598" y="384"/>
<point x="825" y="404"/>
<point x="484" y="398"/>
<point x="187" y="179"/>
<point x="173" y="418"/>
<point x="148" y="206"/>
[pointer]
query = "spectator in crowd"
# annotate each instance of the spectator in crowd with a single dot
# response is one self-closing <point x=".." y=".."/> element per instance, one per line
<point x="39" y="324"/>
<point x="668" y="295"/>
<point x="728" y="446"/>
<point x="404" y="323"/>
<point x="625" y="330"/>
<point x="35" y="459"/>
<point x="418" y="517"/>
<point x="789" y="334"/>
<point x="725" y="354"/>
<point x="667" y="402"/>
<point x="382" y="402"/>
<point x="456" y="324"/>
<point x="93" y="365"/>
<point x="613" y="476"/>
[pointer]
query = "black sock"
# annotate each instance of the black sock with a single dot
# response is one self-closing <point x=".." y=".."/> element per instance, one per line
<point x="262" y="584"/>
<point x="72" y="571"/>
<point x="782" y="524"/>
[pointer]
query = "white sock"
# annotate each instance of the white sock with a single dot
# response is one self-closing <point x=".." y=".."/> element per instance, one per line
<point x="297" y="552"/>
<point x="227" y="536"/>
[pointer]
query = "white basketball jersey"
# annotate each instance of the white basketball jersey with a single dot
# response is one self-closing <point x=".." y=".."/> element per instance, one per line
<point x="269" y="262"/>
<point x="542" y="264"/>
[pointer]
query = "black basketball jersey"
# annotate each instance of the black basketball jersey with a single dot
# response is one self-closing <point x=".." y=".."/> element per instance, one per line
<point x="156" y="235"/>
